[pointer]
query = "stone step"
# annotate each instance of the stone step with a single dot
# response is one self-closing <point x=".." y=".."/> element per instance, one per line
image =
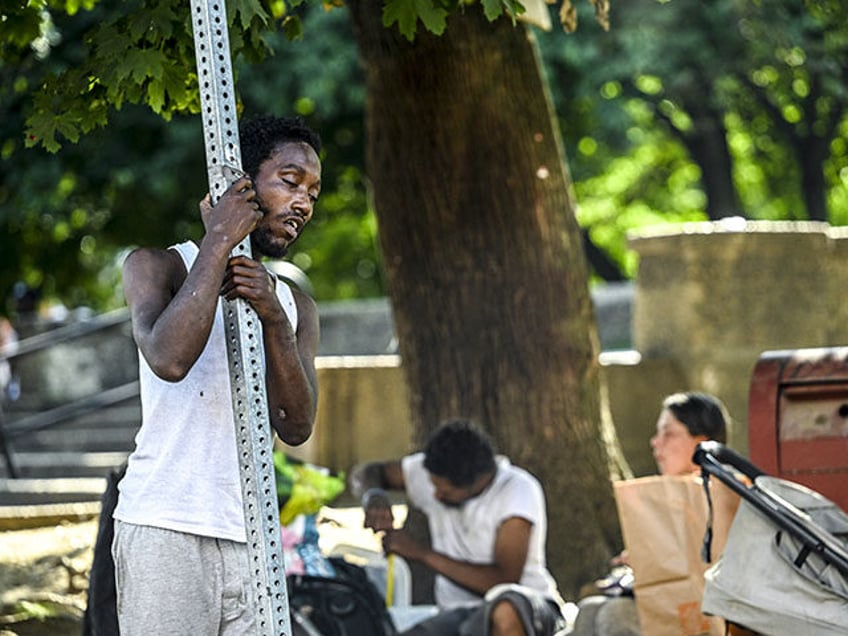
<point x="121" y="415"/>
<point x="40" y="492"/>
<point x="29" y="516"/>
<point x="51" y="465"/>
<point x="95" y="439"/>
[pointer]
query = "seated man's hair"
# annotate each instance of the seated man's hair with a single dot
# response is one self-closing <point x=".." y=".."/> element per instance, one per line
<point x="460" y="452"/>
<point x="260" y="136"/>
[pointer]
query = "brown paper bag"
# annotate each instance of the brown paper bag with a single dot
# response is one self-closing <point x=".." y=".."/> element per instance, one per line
<point x="663" y="520"/>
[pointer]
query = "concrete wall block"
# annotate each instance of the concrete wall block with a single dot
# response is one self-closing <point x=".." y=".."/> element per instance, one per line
<point x="363" y="413"/>
<point x="836" y="275"/>
<point x="751" y="285"/>
<point x="715" y="296"/>
<point x="636" y="388"/>
<point x="728" y="376"/>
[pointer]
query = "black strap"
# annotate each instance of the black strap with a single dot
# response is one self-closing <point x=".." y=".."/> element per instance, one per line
<point x="706" y="547"/>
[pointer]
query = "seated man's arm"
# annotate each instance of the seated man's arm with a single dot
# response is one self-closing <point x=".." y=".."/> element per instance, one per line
<point x="368" y="483"/>
<point x="384" y="475"/>
<point x="510" y="554"/>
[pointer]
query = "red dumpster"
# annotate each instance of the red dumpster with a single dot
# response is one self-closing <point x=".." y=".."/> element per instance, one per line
<point x="798" y="418"/>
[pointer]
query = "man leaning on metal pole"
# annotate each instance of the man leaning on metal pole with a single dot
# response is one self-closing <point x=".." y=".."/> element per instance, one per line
<point x="181" y="558"/>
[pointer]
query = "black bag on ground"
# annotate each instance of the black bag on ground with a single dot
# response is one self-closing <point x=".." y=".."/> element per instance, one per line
<point x="345" y="605"/>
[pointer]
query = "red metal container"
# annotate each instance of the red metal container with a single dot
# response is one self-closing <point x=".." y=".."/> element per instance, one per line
<point x="798" y="418"/>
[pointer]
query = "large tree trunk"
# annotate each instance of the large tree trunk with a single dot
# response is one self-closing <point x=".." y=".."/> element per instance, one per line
<point x="484" y="262"/>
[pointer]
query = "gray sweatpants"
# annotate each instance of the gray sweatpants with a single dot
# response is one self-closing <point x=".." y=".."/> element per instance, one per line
<point x="173" y="583"/>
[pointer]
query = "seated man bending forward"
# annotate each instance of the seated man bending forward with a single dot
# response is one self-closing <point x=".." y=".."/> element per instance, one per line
<point x="488" y="526"/>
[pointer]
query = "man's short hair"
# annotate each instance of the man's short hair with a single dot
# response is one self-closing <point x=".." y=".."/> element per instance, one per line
<point x="460" y="452"/>
<point x="700" y="413"/>
<point x="260" y="136"/>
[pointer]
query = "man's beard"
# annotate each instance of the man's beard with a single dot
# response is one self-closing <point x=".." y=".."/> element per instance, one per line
<point x="262" y="241"/>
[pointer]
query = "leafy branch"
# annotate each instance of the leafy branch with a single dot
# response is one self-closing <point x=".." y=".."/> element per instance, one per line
<point x="142" y="51"/>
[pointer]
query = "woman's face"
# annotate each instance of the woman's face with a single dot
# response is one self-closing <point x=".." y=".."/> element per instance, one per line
<point x="674" y="446"/>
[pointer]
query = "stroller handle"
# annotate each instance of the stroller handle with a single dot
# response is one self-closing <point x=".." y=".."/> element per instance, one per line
<point x="711" y="455"/>
<point x="708" y="453"/>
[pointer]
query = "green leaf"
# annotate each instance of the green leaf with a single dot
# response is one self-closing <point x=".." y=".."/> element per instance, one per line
<point x="156" y="96"/>
<point x="110" y="44"/>
<point x="41" y="129"/>
<point x="278" y="9"/>
<point x="141" y="64"/>
<point x="247" y="10"/>
<point x="21" y="28"/>
<point x="174" y="84"/>
<point x="162" y="20"/>
<point x="492" y="9"/>
<point x="293" y="27"/>
<point x="68" y="128"/>
<point x="407" y="13"/>
<point x="434" y="20"/>
<point x="138" y="24"/>
<point x="96" y="114"/>
<point x="72" y="6"/>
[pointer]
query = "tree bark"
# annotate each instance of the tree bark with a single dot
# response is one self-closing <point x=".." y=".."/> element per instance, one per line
<point x="485" y="266"/>
<point x="707" y="144"/>
<point x="813" y="184"/>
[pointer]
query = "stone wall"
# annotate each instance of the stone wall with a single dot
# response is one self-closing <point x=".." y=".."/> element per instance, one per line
<point x="712" y="297"/>
<point x="363" y="412"/>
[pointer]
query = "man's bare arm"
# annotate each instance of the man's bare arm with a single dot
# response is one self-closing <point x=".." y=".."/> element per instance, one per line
<point x="385" y="475"/>
<point x="171" y="320"/>
<point x="291" y="377"/>
<point x="510" y="555"/>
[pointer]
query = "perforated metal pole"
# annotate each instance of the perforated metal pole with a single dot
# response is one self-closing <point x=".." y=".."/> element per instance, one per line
<point x="254" y="440"/>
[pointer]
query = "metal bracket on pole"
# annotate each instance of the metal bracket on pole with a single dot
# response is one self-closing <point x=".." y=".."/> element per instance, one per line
<point x="254" y="439"/>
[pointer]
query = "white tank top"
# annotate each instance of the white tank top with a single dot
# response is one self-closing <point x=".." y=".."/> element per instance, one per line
<point x="183" y="474"/>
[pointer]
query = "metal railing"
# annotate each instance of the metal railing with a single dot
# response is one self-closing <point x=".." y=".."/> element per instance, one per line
<point x="29" y="424"/>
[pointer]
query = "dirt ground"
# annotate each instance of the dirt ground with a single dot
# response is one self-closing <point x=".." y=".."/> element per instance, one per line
<point x="44" y="578"/>
<point x="44" y="570"/>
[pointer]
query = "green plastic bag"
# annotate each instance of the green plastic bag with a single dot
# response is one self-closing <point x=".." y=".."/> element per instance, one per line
<point x="303" y="488"/>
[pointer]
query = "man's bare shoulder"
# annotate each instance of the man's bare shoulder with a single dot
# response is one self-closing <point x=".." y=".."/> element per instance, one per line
<point x="156" y="255"/>
<point x="152" y="265"/>
<point x="306" y="305"/>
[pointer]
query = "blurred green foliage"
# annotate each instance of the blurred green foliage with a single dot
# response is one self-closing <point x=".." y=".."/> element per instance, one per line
<point x="639" y="106"/>
<point x="636" y="105"/>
